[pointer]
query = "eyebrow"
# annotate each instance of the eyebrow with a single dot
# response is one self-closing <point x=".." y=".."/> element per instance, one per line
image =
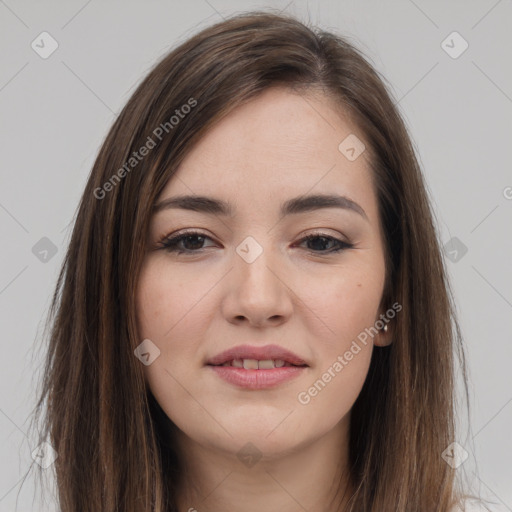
<point x="293" y="206"/>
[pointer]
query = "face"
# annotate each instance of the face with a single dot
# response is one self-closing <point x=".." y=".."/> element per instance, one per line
<point x="253" y="279"/>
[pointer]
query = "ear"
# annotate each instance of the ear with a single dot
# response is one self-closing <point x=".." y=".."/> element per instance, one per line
<point x="385" y="336"/>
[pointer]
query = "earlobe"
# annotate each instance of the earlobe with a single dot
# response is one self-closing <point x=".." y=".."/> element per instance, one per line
<point x="384" y="337"/>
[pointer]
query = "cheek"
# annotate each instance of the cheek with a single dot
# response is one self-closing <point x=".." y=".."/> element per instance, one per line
<point x="344" y="304"/>
<point x="163" y="311"/>
<point x="346" y="309"/>
<point x="334" y="389"/>
<point x="166" y="315"/>
<point x="167" y="300"/>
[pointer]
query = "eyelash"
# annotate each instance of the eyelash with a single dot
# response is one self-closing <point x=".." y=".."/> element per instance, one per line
<point x="170" y="243"/>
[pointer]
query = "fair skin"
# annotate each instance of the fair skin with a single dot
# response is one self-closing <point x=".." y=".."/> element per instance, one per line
<point x="295" y="294"/>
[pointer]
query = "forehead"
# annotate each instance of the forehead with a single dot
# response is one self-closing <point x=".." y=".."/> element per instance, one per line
<point x="278" y="145"/>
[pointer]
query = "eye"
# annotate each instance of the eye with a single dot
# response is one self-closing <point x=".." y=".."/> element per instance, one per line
<point x="192" y="242"/>
<point x="193" y="239"/>
<point x="324" y="239"/>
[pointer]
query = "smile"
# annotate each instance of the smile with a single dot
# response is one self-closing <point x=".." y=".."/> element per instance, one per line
<point x="255" y="364"/>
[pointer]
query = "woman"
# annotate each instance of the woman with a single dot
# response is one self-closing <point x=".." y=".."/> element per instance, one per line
<point x="253" y="312"/>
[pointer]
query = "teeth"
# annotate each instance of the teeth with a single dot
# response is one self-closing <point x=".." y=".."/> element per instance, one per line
<point x="254" y="364"/>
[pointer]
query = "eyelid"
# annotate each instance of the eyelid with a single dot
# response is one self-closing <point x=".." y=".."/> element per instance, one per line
<point x="305" y="234"/>
<point x="324" y="232"/>
<point x="184" y="232"/>
<point x="181" y="233"/>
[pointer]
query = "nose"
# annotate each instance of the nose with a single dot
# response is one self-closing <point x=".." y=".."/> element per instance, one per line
<point x="258" y="293"/>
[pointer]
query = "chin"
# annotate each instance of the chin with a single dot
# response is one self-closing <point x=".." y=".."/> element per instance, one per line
<point x="268" y="436"/>
<point x="258" y="445"/>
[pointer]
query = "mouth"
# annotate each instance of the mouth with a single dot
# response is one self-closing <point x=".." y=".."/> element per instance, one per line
<point x="257" y="368"/>
<point x="255" y="364"/>
<point x="250" y="357"/>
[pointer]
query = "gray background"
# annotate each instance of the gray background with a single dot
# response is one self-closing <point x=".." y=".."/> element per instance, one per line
<point x="55" y="113"/>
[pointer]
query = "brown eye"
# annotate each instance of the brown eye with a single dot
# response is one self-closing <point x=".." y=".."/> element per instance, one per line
<point x="189" y="242"/>
<point x="319" y="242"/>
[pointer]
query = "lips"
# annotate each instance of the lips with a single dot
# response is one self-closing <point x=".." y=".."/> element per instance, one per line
<point x="251" y="357"/>
<point x="257" y="368"/>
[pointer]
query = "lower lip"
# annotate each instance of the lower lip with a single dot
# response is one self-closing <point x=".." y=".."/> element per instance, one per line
<point x="257" y="379"/>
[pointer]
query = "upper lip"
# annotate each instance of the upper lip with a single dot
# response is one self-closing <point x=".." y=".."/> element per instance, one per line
<point x="263" y="353"/>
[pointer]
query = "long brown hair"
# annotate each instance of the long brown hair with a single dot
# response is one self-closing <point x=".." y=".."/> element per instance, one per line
<point x="114" y="443"/>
